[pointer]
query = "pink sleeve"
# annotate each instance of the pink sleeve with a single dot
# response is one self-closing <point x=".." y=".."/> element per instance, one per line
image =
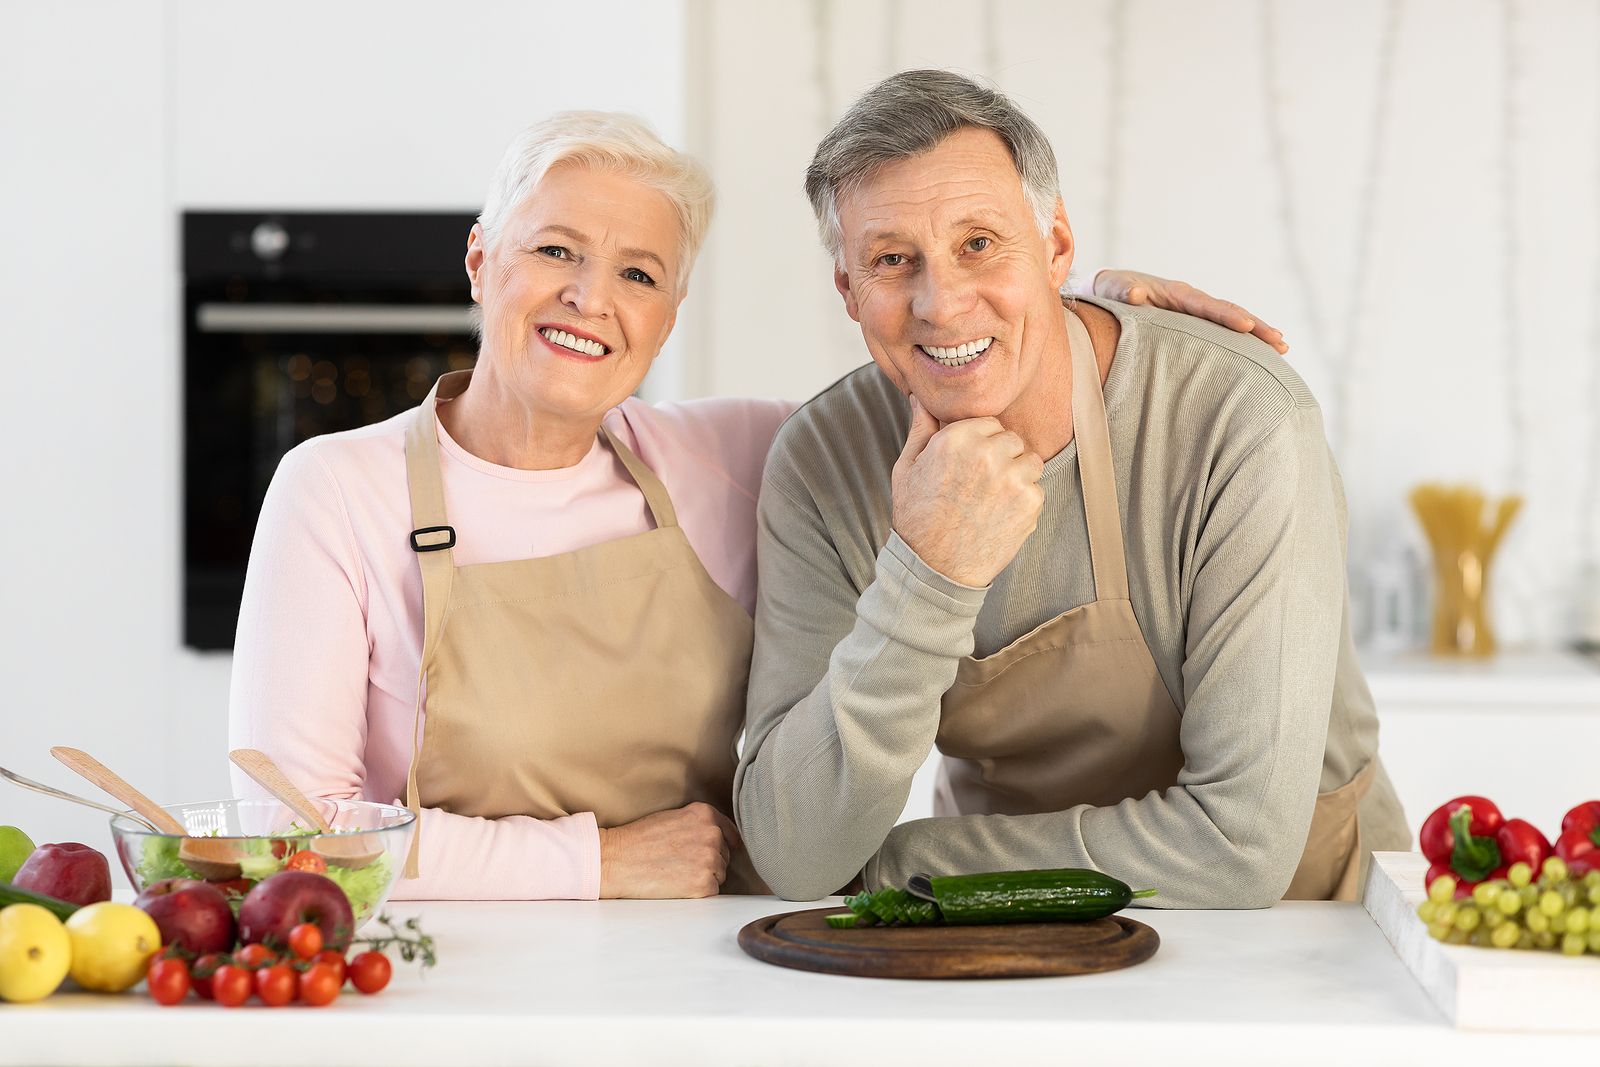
<point x="729" y="436"/>
<point x="299" y="693"/>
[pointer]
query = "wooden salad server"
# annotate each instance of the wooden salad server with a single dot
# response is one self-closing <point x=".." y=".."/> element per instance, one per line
<point x="339" y="849"/>
<point x="212" y="858"/>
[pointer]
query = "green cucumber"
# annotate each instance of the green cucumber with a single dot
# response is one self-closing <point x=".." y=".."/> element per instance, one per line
<point x="10" y="894"/>
<point x="1068" y="894"/>
<point x="1065" y="895"/>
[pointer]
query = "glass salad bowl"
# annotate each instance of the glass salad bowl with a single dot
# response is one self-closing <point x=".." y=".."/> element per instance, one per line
<point x="241" y="842"/>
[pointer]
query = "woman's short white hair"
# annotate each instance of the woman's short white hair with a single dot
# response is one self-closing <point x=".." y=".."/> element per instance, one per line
<point x="607" y="141"/>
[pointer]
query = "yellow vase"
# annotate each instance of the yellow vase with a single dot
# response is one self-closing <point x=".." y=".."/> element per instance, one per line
<point x="1464" y="538"/>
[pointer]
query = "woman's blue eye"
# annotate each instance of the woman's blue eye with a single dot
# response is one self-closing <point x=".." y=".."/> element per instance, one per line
<point x="978" y="244"/>
<point x="634" y="274"/>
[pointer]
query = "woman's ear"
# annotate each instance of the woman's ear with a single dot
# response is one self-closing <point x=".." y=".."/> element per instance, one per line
<point x="476" y="250"/>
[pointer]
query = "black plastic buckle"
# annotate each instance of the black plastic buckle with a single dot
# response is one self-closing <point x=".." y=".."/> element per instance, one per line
<point x="418" y="546"/>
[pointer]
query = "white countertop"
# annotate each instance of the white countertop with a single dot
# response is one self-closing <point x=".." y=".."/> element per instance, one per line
<point x="664" y="982"/>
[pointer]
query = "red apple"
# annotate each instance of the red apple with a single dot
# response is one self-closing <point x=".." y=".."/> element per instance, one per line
<point x="189" y="913"/>
<point x="67" y="871"/>
<point x="285" y="900"/>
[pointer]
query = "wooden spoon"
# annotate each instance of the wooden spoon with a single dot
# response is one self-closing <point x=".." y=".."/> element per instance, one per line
<point x="341" y="850"/>
<point x="213" y="859"/>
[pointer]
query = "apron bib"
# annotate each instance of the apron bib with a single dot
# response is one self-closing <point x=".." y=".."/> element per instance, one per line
<point x="610" y="679"/>
<point x="1075" y="712"/>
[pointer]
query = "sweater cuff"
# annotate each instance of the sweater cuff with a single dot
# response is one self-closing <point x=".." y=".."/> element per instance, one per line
<point x="900" y="564"/>
<point x="586" y="835"/>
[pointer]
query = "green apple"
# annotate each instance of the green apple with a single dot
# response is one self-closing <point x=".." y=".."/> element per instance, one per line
<point x="14" y="849"/>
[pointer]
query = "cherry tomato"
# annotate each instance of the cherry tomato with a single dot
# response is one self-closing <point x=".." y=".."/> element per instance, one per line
<point x="230" y="985"/>
<point x="168" y="980"/>
<point x="255" y="956"/>
<point x="370" y="971"/>
<point x="306" y="861"/>
<point x="320" y="985"/>
<point x="334" y="959"/>
<point x="203" y="970"/>
<point x="276" y="985"/>
<point x="305" y="940"/>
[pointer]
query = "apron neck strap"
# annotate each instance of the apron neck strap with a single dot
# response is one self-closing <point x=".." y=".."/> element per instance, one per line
<point x="655" y="494"/>
<point x="1090" y="430"/>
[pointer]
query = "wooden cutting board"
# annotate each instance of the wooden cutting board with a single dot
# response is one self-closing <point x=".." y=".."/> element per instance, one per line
<point x="801" y="939"/>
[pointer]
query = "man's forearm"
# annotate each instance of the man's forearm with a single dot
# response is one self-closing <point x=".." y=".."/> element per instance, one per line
<point x="825" y="777"/>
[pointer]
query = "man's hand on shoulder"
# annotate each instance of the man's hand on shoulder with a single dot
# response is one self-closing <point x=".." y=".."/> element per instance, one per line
<point x="966" y="496"/>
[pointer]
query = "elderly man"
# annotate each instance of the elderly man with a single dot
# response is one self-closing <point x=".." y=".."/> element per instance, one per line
<point x="1094" y="553"/>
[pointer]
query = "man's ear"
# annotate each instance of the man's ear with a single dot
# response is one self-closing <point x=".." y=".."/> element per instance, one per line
<point x="841" y="282"/>
<point x="474" y="261"/>
<point x="1058" y="246"/>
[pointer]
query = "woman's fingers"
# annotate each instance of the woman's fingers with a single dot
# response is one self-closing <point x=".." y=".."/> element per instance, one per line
<point x="1134" y="287"/>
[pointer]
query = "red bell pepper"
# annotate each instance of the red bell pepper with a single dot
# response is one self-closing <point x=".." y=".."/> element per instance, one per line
<point x="1579" y="843"/>
<point x="1470" y="840"/>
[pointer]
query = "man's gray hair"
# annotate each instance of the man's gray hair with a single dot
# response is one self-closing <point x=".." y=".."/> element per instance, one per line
<point x="910" y="113"/>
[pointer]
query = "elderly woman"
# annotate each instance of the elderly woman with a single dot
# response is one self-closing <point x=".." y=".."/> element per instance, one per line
<point x="525" y="605"/>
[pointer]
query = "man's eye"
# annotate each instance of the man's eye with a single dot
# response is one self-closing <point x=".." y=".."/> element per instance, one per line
<point x="634" y="274"/>
<point x="891" y="259"/>
<point x="553" y="251"/>
<point x="978" y="244"/>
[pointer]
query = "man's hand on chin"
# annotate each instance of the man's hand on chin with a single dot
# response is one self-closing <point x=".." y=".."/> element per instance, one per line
<point x="965" y="496"/>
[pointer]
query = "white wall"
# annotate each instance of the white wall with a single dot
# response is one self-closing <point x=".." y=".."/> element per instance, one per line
<point x="116" y="116"/>
<point x="1189" y="179"/>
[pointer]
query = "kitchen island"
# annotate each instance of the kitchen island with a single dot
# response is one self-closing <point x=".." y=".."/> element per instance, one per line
<point x="664" y="982"/>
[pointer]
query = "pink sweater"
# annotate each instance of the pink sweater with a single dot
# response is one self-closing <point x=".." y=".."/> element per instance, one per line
<point x="330" y="629"/>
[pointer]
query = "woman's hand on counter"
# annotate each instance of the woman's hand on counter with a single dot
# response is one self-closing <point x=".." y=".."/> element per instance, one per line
<point x="683" y="852"/>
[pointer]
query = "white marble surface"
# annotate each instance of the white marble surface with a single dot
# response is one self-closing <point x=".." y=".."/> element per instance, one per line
<point x="1477" y="988"/>
<point x="664" y="982"/>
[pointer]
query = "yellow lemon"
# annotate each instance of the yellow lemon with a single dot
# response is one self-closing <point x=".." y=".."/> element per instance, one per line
<point x="35" y="953"/>
<point x="111" y="944"/>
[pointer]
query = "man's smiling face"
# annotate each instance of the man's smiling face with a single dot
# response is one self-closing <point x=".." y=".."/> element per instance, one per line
<point x="955" y="288"/>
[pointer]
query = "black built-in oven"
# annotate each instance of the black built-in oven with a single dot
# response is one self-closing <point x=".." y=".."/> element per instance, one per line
<point x="299" y="324"/>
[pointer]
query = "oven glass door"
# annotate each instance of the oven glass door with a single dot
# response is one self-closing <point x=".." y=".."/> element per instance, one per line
<point x="267" y="373"/>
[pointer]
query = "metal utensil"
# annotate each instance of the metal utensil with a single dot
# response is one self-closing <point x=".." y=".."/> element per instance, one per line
<point x="214" y="859"/>
<point x="61" y="794"/>
<point x="341" y="850"/>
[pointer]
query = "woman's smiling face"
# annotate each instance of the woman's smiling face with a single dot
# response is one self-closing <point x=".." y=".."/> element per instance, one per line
<point x="579" y="290"/>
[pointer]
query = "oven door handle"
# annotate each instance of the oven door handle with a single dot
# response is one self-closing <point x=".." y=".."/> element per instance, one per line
<point x="333" y="318"/>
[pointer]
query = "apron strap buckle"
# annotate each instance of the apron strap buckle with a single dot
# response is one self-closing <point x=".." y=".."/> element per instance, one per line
<point x="433" y="546"/>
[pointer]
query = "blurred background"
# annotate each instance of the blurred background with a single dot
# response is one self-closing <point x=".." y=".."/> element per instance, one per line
<point x="231" y="225"/>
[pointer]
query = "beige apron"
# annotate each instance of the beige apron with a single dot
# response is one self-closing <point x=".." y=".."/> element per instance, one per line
<point x="610" y="679"/>
<point x="1075" y="711"/>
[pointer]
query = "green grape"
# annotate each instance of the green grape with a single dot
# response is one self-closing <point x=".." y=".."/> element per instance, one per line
<point x="1592" y="879"/>
<point x="1480" y="938"/>
<point x="1574" y="944"/>
<point x="1467" y="918"/>
<point x="1505" y="935"/>
<point x="1537" y="921"/>
<point x="1493" y="918"/>
<point x="1443" y="889"/>
<point x="1578" y="921"/>
<point x="1525" y="939"/>
<point x="1456" y="937"/>
<point x="1558" y="923"/>
<point x="1544" y="940"/>
<point x="1484" y="893"/>
<point x="1555" y="868"/>
<point x="1529" y="895"/>
<point x="1594" y="940"/>
<point x="1520" y="874"/>
<point x="1446" y="912"/>
<point x="1438" y="930"/>
<point x="1551" y="904"/>
<point x="1510" y="903"/>
<point x="1594" y="896"/>
<point x="1427" y="910"/>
